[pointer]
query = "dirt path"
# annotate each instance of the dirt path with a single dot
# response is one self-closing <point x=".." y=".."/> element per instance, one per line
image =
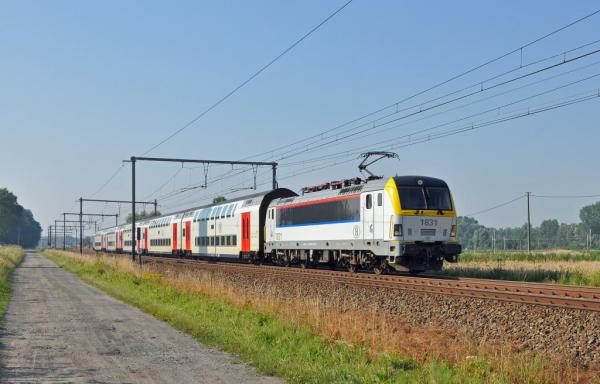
<point x="58" y="329"/>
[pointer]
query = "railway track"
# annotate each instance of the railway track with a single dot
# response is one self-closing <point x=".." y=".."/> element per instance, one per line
<point x="556" y="295"/>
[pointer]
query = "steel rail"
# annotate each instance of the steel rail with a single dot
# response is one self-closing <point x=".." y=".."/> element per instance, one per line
<point x="556" y="295"/>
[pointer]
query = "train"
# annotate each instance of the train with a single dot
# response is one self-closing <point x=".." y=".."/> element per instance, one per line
<point x="401" y="223"/>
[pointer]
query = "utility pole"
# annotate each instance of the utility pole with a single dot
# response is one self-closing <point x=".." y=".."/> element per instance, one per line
<point x="528" y="224"/>
<point x="81" y="226"/>
<point x="133" y="233"/>
<point x="50" y="236"/>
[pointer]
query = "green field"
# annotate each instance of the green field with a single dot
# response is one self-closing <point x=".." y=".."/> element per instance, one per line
<point x="534" y="256"/>
<point x="555" y="266"/>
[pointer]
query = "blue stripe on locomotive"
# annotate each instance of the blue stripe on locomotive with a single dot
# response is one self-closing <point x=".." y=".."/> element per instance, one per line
<point x="319" y="223"/>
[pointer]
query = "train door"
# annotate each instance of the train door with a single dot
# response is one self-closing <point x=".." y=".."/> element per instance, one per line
<point x="270" y="225"/>
<point x="378" y="216"/>
<point x="246" y="232"/>
<point x="145" y="240"/>
<point x="368" y="216"/>
<point x="138" y="239"/>
<point x="187" y="232"/>
<point x="174" y="241"/>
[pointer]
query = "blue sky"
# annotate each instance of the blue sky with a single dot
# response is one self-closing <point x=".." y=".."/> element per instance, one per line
<point x="84" y="85"/>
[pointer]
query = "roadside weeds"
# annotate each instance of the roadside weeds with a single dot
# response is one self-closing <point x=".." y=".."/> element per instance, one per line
<point x="10" y="257"/>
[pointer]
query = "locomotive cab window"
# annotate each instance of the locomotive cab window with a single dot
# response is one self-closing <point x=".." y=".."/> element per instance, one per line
<point x="379" y="199"/>
<point x="438" y="198"/>
<point x="369" y="201"/>
<point x="433" y="198"/>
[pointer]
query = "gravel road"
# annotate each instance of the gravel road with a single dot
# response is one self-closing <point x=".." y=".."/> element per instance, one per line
<point x="58" y="329"/>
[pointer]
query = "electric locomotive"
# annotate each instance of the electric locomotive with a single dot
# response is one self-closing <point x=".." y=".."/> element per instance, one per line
<point x="404" y="223"/>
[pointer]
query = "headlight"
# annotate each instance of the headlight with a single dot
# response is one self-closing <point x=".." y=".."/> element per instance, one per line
<point x="397" y="229"/>
<point x="453" y="230"/>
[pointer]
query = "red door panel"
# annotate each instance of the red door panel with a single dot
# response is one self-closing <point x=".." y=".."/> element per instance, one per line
<point x="188" y="235"/>
<point x="174" y="243"/>
<point x="246" y="232"/>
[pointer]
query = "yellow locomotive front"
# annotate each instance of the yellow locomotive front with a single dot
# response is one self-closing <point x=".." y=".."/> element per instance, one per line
<point x="424" y="223"/>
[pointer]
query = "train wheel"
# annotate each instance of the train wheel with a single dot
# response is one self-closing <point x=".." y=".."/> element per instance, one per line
<point x="380" y="268"/>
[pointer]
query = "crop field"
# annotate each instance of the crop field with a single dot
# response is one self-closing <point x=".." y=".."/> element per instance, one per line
<point x="554" y="266"/>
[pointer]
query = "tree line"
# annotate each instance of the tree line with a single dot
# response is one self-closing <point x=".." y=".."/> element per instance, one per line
<point x="549" y="234"/>
<point x="17" y="224"/>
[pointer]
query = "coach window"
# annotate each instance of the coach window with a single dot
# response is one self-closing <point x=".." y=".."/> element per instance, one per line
<point x="234" y="240"/>
<point x="369" y="202"/>
<point x="379" y="199"/>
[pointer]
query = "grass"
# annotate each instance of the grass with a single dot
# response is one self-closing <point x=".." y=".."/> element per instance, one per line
<point x="10" y="256"/>
<point x="310" y="342"/>
<point x="554" y="266"/>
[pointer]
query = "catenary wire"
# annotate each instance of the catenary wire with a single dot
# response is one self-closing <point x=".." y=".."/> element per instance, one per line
<point x="437" y="85"/>
<point x="593" y="95"/>
<point x="433" y="87"/>
<point x="496" y="206"/>
<point x="493" y="109"/>
<point x="248" y="80"/>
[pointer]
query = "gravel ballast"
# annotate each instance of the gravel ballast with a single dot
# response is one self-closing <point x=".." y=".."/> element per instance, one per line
<point x="572" y="333"/>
